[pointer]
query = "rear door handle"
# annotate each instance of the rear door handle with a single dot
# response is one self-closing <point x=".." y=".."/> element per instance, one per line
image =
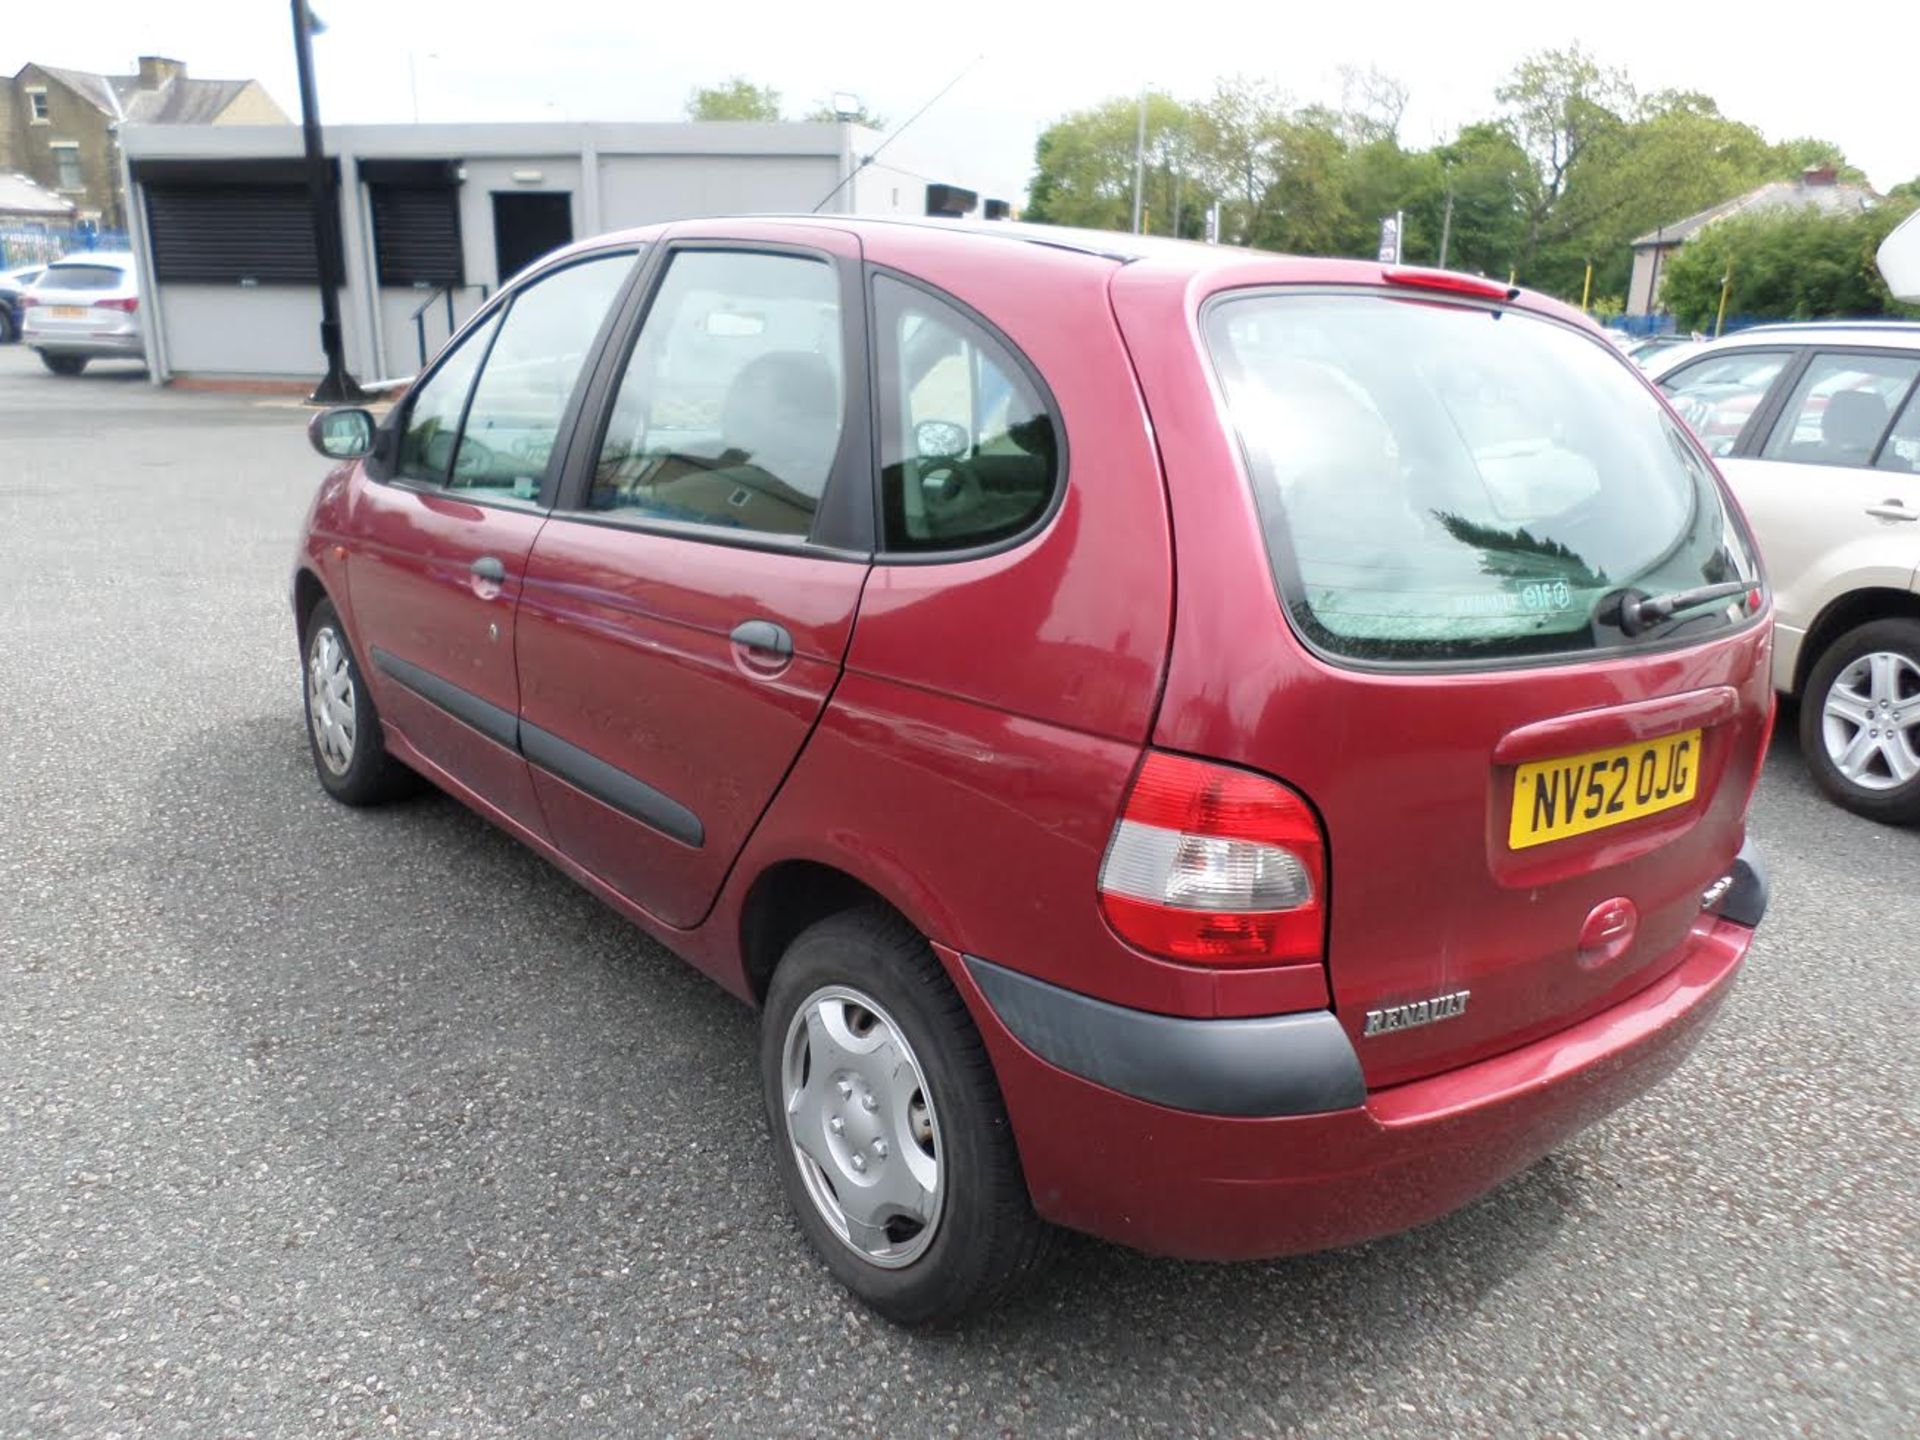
<point x="763" y="637"/>
<point x="489" y="568"/>
<point x="1892" y="510"/>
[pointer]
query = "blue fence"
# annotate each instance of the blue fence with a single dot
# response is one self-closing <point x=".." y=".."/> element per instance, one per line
<point x="34" y="244"/>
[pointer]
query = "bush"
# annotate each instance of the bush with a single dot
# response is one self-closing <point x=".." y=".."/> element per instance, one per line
<point x="1800" y="265"/>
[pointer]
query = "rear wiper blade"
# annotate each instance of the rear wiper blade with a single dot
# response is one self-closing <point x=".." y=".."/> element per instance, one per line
<point x="1641" y="612"/>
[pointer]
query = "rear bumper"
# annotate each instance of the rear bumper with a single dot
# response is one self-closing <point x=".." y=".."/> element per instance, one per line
<point x="1225" y="1187"/>
<point x="54" y="342"/>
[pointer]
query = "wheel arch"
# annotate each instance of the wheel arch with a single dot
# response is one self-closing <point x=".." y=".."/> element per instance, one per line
<point x="1848" y="612"/>
<point x="786" y="897"/>
<point x="308" y="591"/>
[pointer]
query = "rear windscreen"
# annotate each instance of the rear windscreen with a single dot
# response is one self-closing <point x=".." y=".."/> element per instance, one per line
<point x="83" y="277"/>
<point x="1447" y="482"/>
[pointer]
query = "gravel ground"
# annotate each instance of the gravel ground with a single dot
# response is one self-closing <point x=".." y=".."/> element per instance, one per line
<point x="315" y="1122"/>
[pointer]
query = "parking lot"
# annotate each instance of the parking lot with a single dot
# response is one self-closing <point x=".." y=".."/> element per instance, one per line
<point x="318" y="1122"/>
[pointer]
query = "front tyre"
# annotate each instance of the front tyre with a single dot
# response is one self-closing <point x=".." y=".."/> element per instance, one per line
<point x="1860" y="721"/>
<point x="343" y="729"/>
<point x="889" y="1133"/>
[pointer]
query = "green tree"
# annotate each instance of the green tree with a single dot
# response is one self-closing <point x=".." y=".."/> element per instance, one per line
<point x="1675" y="156"/>
<point x="1797" y="265"/>
<point x="1488" y="174"/>
<point x="1559" y="104"/>
<point x="1804" y="152"/>
<point x="735" y="98"/>
<point x="1083" y="166"/>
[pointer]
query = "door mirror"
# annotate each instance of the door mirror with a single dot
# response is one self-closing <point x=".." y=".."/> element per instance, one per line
<point x="341" y="434"/>
<point x="941" y="440"/>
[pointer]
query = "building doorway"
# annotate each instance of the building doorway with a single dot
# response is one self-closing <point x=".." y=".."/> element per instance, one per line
<point x="527" y="225"/>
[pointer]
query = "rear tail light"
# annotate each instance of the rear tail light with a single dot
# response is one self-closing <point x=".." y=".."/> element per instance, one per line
<point x="1449" y="281"/>
<point x="128" y="303"/>
<point x="1215" y="866"/>
<point x="27" y="301"/>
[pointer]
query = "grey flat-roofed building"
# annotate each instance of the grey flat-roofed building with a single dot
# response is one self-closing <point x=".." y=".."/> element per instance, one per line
<point x="435" y="217"/>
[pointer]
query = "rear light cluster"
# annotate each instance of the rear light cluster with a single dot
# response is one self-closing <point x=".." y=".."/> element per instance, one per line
<point x="128" y="303"/>
<point x="1216" y="866"/>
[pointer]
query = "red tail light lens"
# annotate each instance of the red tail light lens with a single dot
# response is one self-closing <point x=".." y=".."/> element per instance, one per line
<point x="1216" y="866"/>
<point x="128" y="303"/>
<point x="26" y="302"/>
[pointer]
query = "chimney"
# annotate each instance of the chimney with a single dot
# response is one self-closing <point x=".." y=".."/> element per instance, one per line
<point x="1817" y="175"/>
<point x="156" y="71"/>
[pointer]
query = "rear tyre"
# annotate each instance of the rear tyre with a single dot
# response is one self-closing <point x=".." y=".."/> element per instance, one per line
<point x="1860" y="721"/>
<point x="888" y="1129"/>
<point x="63" y="364"/>
<point x="9" y="328"/>
<point x="343" y="729"/>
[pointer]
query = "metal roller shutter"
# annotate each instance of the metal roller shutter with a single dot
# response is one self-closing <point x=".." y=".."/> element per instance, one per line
<point x="259" y="233"/>
<point x="416" y="235"/>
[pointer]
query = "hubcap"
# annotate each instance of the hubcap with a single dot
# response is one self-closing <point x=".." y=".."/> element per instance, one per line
<point x="330" y="699"/>
<point x="1871" y="721"/>
<point x="862" y="1126"/>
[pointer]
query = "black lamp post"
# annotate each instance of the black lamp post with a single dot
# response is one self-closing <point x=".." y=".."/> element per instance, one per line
<point x="336" y="387"/>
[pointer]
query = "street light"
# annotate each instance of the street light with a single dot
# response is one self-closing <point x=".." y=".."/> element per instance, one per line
<point x="336" y="387"/>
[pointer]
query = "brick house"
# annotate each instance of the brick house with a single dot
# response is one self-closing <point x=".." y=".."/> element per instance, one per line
<point x="60" y="127"/>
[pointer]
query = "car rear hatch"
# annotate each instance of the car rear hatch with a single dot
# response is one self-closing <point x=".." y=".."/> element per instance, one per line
<point x="1422" y="583"/>
<point x="80" y="299"/>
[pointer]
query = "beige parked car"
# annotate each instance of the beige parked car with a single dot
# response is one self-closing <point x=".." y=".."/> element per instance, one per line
<point x="1817" y="427"/>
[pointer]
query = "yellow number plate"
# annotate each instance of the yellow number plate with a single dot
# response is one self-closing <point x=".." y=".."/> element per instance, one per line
<point x="1555" y="799"/>
<point x="67" y="312"/>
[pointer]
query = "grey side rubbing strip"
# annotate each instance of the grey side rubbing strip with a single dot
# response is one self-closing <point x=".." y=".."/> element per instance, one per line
<point x="611" y="786"/>
<point x="1270" y="1065"/>
<point x="501" y="726"/>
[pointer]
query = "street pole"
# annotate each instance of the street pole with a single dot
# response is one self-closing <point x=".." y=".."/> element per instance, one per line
<point x="336" y="387"/>
<point x="1446" y="228"/>
<point x="1139" y="160"/>
<point x="1586" y="288"/>
<point x="1726" y="284"/>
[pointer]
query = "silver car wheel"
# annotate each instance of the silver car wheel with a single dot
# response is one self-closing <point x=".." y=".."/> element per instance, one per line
<point x="1870" y="720"/>
<point x="330" y="699"/>
<point x="863" y="1128"/>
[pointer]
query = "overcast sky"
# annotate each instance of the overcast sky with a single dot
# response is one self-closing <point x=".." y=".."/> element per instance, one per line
<point x="1843" y="72"/>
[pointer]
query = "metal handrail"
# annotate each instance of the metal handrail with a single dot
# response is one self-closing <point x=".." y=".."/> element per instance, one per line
<point x="419" y="316"/>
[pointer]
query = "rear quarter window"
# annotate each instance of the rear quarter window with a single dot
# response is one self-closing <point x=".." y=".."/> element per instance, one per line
<point x="1444" y="482"/>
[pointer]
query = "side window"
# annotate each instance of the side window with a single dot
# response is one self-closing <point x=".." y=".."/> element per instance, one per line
<point x="732" y="404"/>
<point x="968" y="450"/>
<point x="1902" y="450"/>
<point x="1718" y="395"/>
<point x="434" y="409"/>
<point x="1841" y="408"/>
<point x="529" y="376"/>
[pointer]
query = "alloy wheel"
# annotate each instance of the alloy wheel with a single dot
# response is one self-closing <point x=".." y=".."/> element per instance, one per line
<point x="1870" y="720"/>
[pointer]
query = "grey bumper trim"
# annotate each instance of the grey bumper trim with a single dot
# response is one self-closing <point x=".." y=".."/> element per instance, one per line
<point x="1270" y="1065"/>
<point x="1745" y="902"/>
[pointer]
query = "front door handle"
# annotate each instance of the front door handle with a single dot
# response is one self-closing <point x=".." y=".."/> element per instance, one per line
<point x="488" y="567"/>
<point x="763" y="637"/>
<point x="1892" y="509"/>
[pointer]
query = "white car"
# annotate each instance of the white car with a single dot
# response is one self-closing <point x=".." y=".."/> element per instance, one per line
<point x="1817" y="428"/>
<point x="82" y="308"/>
